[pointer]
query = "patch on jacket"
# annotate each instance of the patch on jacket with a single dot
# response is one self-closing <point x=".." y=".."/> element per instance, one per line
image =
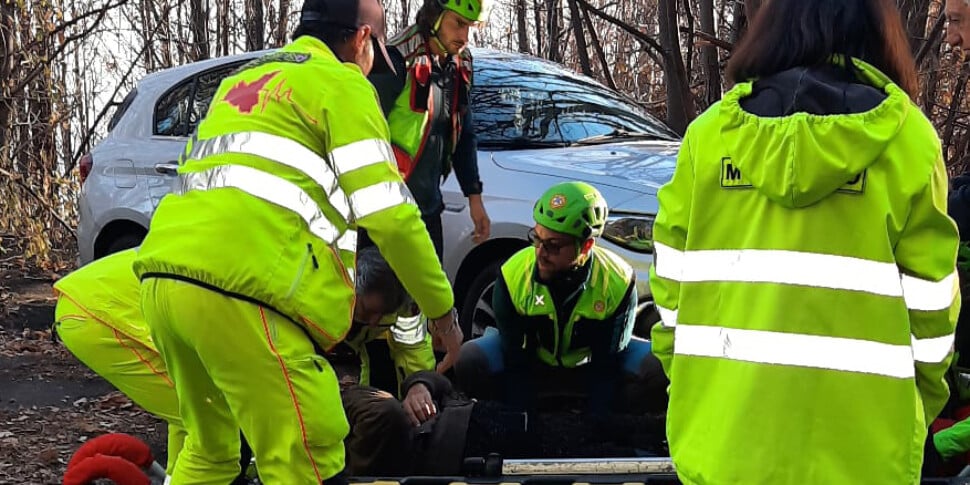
<point x="731" y="177"/>
<point x="855" y="186"/>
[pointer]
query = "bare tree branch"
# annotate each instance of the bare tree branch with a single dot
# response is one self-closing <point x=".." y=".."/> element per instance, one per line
<point x="18" y="179"/>
<point x="680" y="103"/>
<point x="689" y="14"/>
<point x="959" y="90"/>
<point x="60" y="49"/>
<point x="83" y="146"/>
<point x="598" y="47"/>
<point x="710" y="39"/>
<point x="74" y="21"/>
<point x="520" y="17"/>
<point x="636" y="33"/>
<point x="933" y="40"/>
<point x="576" y="22"/>
<point x="710" y="67"/>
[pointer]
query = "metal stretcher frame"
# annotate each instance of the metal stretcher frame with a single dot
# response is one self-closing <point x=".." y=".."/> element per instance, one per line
<point x="495" y="470"/>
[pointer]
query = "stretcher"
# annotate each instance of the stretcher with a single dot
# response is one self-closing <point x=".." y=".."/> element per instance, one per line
<point x="126" y="460"/>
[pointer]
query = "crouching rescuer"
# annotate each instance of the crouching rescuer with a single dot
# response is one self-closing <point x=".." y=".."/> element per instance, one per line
<point x="98" y="318"/>
<point x="248" y="267"/>
<point x="565" y="311"/>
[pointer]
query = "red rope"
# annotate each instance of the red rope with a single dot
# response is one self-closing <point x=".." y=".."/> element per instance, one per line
<point x="114" y="468"/>
<point x="115" y="444"/>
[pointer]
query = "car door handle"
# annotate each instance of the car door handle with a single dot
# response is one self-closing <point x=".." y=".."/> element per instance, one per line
<point x="453" y="207"/>
<point x="167" y="168"/>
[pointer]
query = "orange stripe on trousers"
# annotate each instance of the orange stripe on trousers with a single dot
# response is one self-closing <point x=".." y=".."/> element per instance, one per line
<point x="289" y="385"/>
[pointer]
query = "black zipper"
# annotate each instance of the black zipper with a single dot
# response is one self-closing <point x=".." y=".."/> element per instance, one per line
<point x="313" y="257"/>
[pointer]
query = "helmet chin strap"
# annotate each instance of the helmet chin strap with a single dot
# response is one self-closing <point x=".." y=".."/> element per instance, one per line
<point x="434" y="34"/>
<point x="583" y="249"/>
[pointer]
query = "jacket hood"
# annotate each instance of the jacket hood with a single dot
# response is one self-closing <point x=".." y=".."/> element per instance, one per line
<point x="801" y="134"/>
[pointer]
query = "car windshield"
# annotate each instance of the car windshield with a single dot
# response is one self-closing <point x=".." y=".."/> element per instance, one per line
<point x="526" y="103"/>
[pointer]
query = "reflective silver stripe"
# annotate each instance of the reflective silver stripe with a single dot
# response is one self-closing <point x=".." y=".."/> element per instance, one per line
<point x="409" y="330"/>
<point x="669" y="261"/>
<point x="267" y="187"/>
<point x="778" y="266"/>
<point x="377" y="197"/>
<point x="281" y="150"/>
<point x="792" y="349"/>
<point x="932" y="350"/>
<point x="360" y="154"/>
<point x="928" y="295"/>
<point x="668" y="317"/>
<point x="348" y="242"/>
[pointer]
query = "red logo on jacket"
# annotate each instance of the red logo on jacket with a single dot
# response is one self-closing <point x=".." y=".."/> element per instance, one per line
<point x="245" y="95"/>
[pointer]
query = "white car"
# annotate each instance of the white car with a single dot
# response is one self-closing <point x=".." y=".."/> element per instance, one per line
<point x="537" y="124"/>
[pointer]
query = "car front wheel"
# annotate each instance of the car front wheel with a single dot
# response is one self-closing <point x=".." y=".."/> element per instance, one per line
<point x="126" y="241"/>
<point x="477" y="313"/>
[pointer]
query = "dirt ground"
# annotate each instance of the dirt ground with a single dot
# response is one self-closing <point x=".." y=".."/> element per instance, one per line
<point x="49" y="402"/>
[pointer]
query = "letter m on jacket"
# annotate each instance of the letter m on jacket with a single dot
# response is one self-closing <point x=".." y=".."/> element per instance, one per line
<point x="731" y="175"/>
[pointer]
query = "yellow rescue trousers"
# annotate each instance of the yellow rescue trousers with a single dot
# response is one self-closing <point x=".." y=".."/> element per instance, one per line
<point x="238" y="365"/>
<point x="133" y="368"/>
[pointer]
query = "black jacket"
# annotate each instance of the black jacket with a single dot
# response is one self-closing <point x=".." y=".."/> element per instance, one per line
<point x="468" y="428"/>
<point x="436" y="161"/>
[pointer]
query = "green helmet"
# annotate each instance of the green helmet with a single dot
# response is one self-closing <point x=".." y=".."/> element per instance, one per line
<point x="473" y="10"/>
<point x="573" y="208"/>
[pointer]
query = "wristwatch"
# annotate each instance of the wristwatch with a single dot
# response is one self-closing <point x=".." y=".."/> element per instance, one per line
<point x="433" y="324"/>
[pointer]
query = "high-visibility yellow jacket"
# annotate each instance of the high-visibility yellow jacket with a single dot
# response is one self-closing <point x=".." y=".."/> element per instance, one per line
<point x="805" y="275"/>
<point x="292" y="156"/>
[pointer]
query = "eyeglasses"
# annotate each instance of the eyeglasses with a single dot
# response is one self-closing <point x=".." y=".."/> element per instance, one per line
<point x="551" y="246"/>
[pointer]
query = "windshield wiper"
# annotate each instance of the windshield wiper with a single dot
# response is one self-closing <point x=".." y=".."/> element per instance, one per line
<point x="618" y="134"/>
<point x="522" y="143"/>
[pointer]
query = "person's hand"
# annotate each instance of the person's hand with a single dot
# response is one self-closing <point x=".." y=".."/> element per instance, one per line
<point x="483" y="225"/>
<point x="418" y="404"/>
<point x="446" y="335"/>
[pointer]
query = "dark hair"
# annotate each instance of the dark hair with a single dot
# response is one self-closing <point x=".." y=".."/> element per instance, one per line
<point x="374" y="275"/>
<point x="427" y="16"/>
<point x="799" y="33"/>
<point x="334" y="35"/>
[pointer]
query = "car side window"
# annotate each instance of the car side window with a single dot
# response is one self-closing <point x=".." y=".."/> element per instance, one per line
<point x="172" y="110"/>
<point x="180" y="110"/>
<point x="122" y="109"/>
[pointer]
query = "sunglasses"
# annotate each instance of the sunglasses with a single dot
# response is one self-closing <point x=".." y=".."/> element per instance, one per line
<point x="551" y="246"/>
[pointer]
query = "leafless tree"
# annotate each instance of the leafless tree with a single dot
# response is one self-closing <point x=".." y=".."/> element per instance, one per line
<point x="66" y="64"/>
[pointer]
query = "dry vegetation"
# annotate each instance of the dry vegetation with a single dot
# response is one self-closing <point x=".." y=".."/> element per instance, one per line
<point x="64" y="64"/>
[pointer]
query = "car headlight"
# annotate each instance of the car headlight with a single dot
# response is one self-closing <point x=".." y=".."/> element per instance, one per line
<point x="631" y="232"/>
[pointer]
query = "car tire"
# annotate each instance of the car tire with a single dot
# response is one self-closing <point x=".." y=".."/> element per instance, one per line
<point x="125" y="241"/>
<point x="476" y="309"/>
<point x="647" y="317"/>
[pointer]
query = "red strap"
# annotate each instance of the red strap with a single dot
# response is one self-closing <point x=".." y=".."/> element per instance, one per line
<point x="939" y="424"/>
<point x="114" y="468"/>
<point x="405" y="164"/>
<point x="465" y="70"/>
<point x="422" y="70"/>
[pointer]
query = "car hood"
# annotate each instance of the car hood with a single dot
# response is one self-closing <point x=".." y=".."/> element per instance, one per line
<point x="641" y="166"/>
